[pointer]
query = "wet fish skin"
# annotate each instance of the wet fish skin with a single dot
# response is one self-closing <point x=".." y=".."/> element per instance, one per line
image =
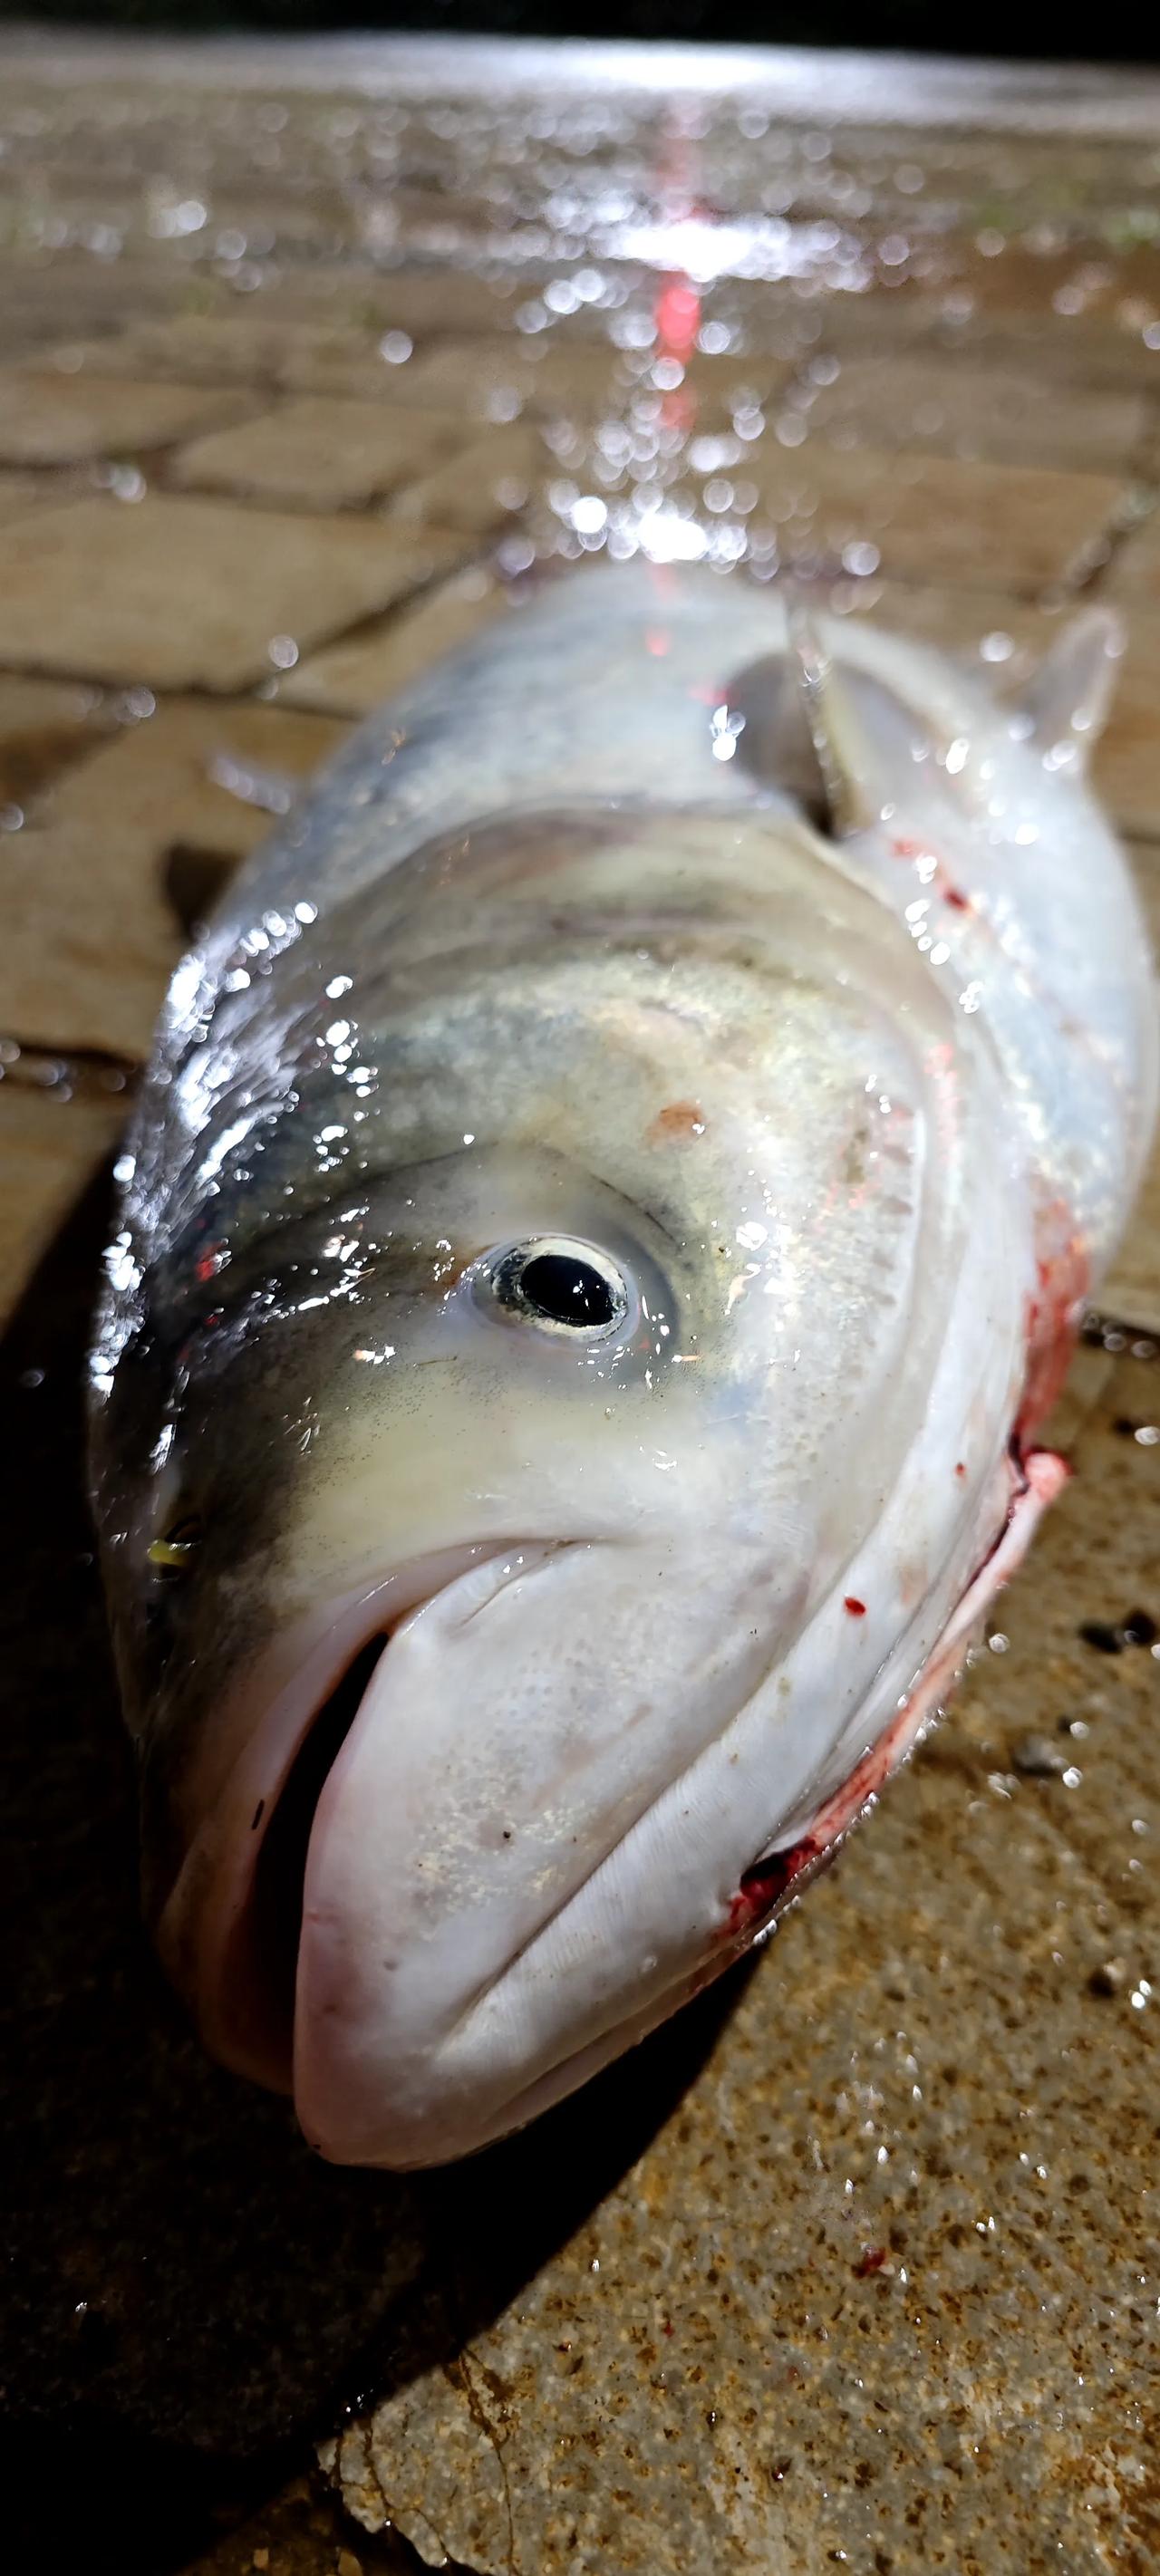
<point x="855" y="1125"/>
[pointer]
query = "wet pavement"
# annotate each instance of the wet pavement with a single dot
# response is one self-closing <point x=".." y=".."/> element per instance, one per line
<point x="308" y="359"/>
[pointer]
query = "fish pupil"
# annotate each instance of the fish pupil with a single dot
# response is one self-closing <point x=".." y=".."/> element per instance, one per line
<point x="567" y="1290"/>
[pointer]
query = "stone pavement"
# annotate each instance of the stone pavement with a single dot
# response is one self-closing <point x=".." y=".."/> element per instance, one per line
<point x="303" y="361"/>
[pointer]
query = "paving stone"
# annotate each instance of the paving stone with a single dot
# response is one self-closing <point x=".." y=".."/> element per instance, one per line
<point x="183" y="593"/>
<point x="93" y="892"/>
<point x="1135" y="574"/>
<point x="44" y="724"/>
<point x="353" y="677"/>
<point x="322" y="452"/>
<point x="485" y="484"/>
<point x="934" y="518"/>
<point x="495" y="379"/>
<point x="20" y="493"/>
<point x="49" y="418"/>
<point x="310" y="340"/>
<point x="52" y="1140"/>
<point x="944" y="406"/>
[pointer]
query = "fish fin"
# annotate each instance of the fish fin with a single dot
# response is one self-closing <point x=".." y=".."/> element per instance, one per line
<point x="787" y="746"/>
<point x="1068" y="697"/>
<point x="848" y="766"/>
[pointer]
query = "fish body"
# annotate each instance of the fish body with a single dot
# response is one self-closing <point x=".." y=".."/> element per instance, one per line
<point x="610" y="1201"/>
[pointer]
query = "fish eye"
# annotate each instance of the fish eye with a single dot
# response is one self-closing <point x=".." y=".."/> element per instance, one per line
<point x="562" y="1285"/>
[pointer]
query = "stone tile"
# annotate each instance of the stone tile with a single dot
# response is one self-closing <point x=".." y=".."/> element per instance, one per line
<point x="1135" y="574"/>
<point x="249" y="348"/>
<point x="49" y="418"/>
<point x="51" y="1143"/>
<point x="1065" y="285"/>
<point x="323" y="452"/>
<point x="184" y="593"/>
<point x="1106" y="351"/>
<point x="952" y="408"/>
<point x="44" y="724"/>
<point x="237" y="347"/>
<point x="352" y="678"/>
<point x="493" y="378"/>
<point x="934" y="518"/>
<point x="91" y="929"/>
<point x="20" y="493"/>
<point x="309" y="344"/>
<point x="423" y="302"/>
<point x="482" y="486"/>
<point x="66" y="295"/>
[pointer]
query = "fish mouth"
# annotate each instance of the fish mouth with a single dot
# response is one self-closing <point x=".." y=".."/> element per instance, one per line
<point x="229" y="1931"/>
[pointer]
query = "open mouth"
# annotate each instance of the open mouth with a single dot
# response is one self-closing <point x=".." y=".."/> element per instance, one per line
<point x="273" y="1920"/>
<point x="230" y="1930"/>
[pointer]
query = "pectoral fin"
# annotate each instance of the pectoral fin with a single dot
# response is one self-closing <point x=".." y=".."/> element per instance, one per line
<point x="1067" y="699"/>
<point x="849" y="767"/>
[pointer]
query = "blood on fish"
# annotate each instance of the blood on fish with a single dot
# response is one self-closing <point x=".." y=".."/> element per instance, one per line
<point x="1035" y="1479"/>
<point x="681" y="1118"/>
<point x="1054" y="1315"/>
<point x="955" y="896"/>
<point x="763" y="1886"/>
<point x="856" y="1608"/>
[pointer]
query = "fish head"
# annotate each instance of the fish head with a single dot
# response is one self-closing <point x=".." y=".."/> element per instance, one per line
<point x="487" y="1600"/>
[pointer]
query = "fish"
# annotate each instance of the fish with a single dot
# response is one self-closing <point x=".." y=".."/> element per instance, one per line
<point x="615" y="1189"/>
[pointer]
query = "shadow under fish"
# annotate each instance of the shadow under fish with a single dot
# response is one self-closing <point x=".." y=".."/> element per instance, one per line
<point x="191" y="2293"/>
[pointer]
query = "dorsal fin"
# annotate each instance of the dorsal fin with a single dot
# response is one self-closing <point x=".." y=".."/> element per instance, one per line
<point x="848" y="767"/>
<point x="1067" y="698"/>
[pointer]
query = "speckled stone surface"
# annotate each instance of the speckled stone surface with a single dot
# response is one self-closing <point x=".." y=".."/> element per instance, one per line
<point x="855" y="2263"/>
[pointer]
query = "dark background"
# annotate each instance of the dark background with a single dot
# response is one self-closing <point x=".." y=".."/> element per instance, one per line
<point x="1020" y="28"/>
